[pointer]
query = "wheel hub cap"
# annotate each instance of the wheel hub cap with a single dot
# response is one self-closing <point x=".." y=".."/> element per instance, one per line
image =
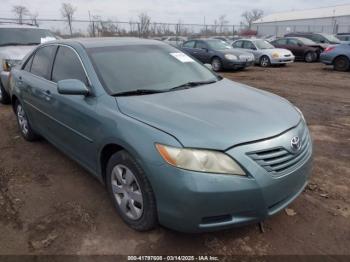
<point x="22" y="120"/>
<point x="127" y="192"/>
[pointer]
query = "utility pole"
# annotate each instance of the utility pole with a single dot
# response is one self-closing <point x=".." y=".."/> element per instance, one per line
<point x="92" y="24"/>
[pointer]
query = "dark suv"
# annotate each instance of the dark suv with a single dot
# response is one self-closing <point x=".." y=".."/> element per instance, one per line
<point x="323" y="39"/>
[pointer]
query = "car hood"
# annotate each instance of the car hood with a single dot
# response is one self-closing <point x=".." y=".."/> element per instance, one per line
<point x="15" y="52"/>
<point x="216" y="116"/>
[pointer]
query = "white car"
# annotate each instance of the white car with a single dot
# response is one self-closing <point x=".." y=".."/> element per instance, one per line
<point x="16" y="41"/>
<point x="265" y="54"/>
<point x="174" y="40"/>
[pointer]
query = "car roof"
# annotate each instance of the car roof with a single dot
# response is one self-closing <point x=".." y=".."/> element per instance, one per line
<point x="109" y="41"/>
<point x="18" y="26"/>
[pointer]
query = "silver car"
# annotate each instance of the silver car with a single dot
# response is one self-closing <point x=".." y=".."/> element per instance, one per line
<point x="265" y="54"/>
<point x="16" y="41"/>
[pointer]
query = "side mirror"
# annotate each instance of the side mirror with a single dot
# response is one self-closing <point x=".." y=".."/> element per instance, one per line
<point x="208" y="66"/>
<point x="300" y="44"/>
<point x="72" y="87"/>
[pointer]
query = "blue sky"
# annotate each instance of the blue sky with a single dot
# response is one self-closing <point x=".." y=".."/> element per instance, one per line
<point x="188" y="11"/>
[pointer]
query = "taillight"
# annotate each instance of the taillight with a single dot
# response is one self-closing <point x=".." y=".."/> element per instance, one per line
<point x="328" y="49"/>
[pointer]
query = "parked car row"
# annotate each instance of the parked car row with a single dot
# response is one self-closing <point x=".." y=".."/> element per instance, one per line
<point x="307" y="47"/>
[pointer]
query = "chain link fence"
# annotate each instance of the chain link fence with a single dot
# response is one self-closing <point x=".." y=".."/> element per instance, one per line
<point x="99" y="28"/>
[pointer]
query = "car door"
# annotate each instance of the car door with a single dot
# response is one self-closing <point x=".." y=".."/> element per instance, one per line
<point x="249" y="47"/>
<point x="202" y="52"/>
<point x="36" y="85"/>
<point x="296" y="47"/>
<point x="75" y="122"/>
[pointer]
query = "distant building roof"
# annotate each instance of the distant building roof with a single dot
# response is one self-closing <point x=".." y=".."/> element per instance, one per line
<point x="325" y="12"/>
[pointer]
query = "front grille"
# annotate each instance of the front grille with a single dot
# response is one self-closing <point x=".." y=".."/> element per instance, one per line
<point x="289" y="55"/>
<point x="279" y="160"/>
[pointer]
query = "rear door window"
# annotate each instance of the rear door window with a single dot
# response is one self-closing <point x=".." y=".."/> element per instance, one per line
<point x="42" y="61"/>
<point x="67" y="65"/>
<point x="201" y="45"/>
<point x="281" y="42"/>
<point x="248" y="45"/>
<point x="238" y="44"/>
<point x="189" y="44"/>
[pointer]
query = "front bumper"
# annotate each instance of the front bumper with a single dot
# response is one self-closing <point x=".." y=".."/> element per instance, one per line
<point x="282" y="60"/>
<point x="326" y="58"/>
<point x="197" y="202"/>
<point x="237" y="64"/>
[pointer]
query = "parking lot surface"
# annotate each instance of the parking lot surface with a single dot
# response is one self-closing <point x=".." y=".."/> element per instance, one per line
<point x="50" y="205"/>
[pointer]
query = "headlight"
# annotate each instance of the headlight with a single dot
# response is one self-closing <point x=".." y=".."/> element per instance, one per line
<point x="301" y="113"/>
<point x="7" y="64"/>
<point x="275" y="55"/>
<point x="200" y="160"/>
<point x="231" y="57"/>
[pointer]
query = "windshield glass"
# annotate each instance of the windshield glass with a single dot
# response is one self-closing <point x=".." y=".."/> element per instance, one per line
<point x="156" y="67"/>
<point x="23" y="36"/>
<point x="332" y="39"/>
<point x="262" y="44"/>
<point x="217" y="44"/>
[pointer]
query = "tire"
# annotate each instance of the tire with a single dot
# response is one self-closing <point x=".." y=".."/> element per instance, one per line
<point x="216" y="64"/>
<point x="310" y="57"/>
<point x="23" y="124"/>
<point x="4" y="96"/>
<point x="131" y="193"/>
<point x="341" y="63"/>
<point x="265" y="61"/>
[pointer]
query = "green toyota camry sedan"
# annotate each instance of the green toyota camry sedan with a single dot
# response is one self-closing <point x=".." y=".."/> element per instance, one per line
<point x="174" y="143"/>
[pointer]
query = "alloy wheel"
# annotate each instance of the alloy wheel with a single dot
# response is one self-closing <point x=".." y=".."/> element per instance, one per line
<point x="342" y="64"/>
<point x="0" y="93"/>
<point x="216" y="65"/>
<point x="309" y="57"/>
<point x="127" y="192"/>
<point x="264" y="61"/>
<point x="22" y="120"/>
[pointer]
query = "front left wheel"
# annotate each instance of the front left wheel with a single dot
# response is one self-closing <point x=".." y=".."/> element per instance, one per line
<point x="131" y="192"/>
<point x="265" y="61"/>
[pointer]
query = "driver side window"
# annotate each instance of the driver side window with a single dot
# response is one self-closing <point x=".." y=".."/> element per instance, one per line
<point x="68" y="66"/>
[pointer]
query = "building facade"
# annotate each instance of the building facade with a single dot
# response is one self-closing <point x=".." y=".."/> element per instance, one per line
<point x="330" y="20"/>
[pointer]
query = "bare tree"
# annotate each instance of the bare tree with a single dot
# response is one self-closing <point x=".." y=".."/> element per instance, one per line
<point x="222" y="23"/>
<point x="250" y="16"/>
<point x="67" y="11"/>
<point x="144" y="25"/>
<point x="20" y="11"/>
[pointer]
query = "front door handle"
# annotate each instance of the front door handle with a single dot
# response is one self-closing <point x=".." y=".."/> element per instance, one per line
<point x="47" y="94"/>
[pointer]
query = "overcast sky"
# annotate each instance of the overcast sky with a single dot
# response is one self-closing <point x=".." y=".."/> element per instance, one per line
<point x="188" y="11"/>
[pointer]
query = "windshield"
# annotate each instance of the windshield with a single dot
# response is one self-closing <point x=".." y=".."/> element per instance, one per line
<point x="332" y="39"/>
<point x="155" y="67"/>
<point x="262" y="44"/>
<point x="217" y="44"/>
<point x="23" y="36"/>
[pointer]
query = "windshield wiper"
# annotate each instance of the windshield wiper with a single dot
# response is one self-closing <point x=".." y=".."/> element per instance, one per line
<point x="192" y="84"/>
<point x="139" y="92"/>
